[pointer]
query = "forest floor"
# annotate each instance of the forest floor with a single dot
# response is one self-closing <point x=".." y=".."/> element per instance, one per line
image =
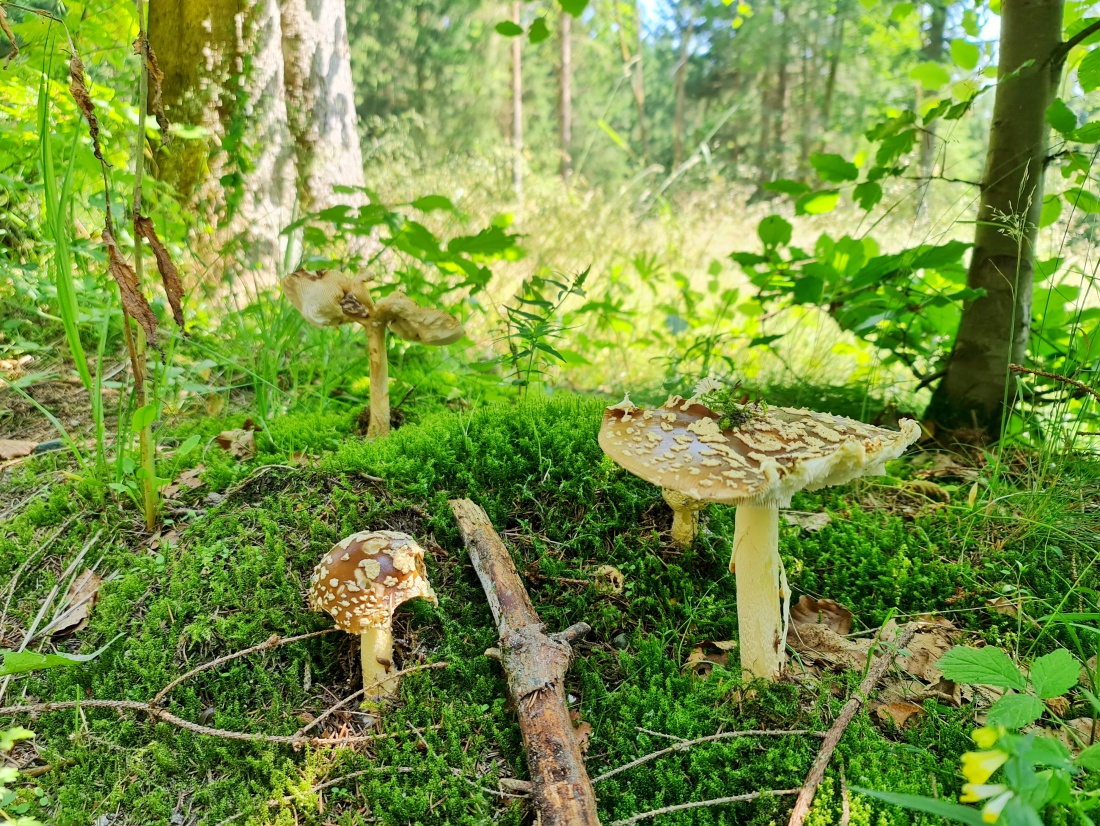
<point x="989" y="548"/>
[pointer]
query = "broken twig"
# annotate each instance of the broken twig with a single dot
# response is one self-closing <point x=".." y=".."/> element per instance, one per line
<point x="717" y="801"/>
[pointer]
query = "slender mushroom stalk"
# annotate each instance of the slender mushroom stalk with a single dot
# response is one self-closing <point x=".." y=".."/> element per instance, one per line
<point x="758" y="463"/>
<point x="685" y="516"/>
<point x="361" y="582"/>
<point x="331" y="298"/>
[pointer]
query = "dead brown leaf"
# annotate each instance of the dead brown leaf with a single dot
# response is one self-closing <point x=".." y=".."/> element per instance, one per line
<point x="84" y="100"/>
<point x="6" y="28"/>
<point x="188" y="480"/>
<point x="609" y="580"/>
<point x="143" y="49"/>
<point x="926" y="648"/>
<point x="16" y="448"/>
<point x="809" y="522"/>
<point x="900" y="712"/>
<point x="240" y="443"/>
<point x="819" y="645"/>
<point x="78" y="603"/>
<point x="1058" y="705"/>
<point x="1003" y="605"/>
<point x="827" y="612"/>
<point x="173" y="287"/>
<point x="707" y="654"/>
<point x="133" y="299"/>
<point x="582" y="730"/>
<point x="928" y="489"/>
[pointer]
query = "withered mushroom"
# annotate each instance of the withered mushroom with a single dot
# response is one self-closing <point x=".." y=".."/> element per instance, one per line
<point x="361" y="582"/>
<point x="758" y="464"/>
<point x="331" y="298"/>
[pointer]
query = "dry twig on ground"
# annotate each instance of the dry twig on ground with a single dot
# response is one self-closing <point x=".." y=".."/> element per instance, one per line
<point x="718" y="801"/>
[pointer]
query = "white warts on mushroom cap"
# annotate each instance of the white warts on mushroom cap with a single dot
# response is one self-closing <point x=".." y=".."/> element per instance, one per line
<point x="361" y="582"/>
<point x="758" y="465"/>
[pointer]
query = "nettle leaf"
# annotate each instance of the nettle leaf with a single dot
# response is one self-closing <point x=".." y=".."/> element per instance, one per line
<point x="965" y="54"/>
<point x="538" y="31"/>
<point x="809" y="290"/>
<point x="1088" y="72"/>
<point x="867" y="195"/>
<point x="787" y="187"/>
<point x="833" y="168"/>
<point x="574" y="8"/>
<point x="1061" y="117"/>
<point x="983" y="666"/>
<point x="508" y="28"/>
<point x="1054" y="674"/>
<point x="1015" y="711"/>
<point x="817" y="203"/>
<point x="930" y="75"/>
<point x="774" y="231"/>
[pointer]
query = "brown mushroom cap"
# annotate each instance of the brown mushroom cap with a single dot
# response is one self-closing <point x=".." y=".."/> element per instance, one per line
<point x="772" y="455"/>
<point x="328" y="298"/>
<point x="363" y="579"/>
<point x="410" y="321"/>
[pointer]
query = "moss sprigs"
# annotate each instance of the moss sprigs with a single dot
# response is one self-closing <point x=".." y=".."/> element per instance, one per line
<point x="730" y="403"/>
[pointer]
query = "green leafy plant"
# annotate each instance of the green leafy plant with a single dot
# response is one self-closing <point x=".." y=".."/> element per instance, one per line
<point x="1035" y="770"/>
<point x="13" y="812"/>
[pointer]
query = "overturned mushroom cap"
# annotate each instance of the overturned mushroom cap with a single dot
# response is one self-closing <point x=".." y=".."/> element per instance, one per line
<point x="362" y="580"/>
<point x="328" y="297"/>
<point x="410" y="321"/>
<point x="773" y="454"/>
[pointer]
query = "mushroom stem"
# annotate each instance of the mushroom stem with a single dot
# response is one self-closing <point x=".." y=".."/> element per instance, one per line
<point x="379" y="380"/>
<point x="763" y="597"/>
<point x="685" y="516"/>
<point x="376" y="655"/>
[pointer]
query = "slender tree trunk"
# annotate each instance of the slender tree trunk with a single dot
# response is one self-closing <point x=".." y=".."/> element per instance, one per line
<point x="517" y="108"/>
<point x="686" y="34"/>
<point x="830" y="80"/>
<point x="781" y="94"/>
<point x="933" y="51"/>
<point x="807" y="120"/>
<point x="566" y="96"/>
<point x="994" y="329"/>
<point x="633" y="65"/>
<point x="223" y="72"/>
<point x="321" y="101"/>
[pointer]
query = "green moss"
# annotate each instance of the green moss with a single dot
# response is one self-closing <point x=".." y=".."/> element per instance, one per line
<point x="236" y="574"/>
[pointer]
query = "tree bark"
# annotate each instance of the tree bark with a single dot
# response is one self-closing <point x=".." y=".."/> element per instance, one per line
<point x="517" y="108"/>
<point x="535" y="664"/>
<point x="223" y="72"/>
<point x="566" y="96"/>
<point x="933" y="51"/>
<point x="686" y="33"/>
<point x="321" y="102"/>
<point x="633" y="65"/>
<point x="976" y="390"/>
<point x="834" y="69"/>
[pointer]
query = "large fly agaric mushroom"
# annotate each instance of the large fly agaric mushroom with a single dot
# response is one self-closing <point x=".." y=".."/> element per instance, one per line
<point x="330" y="298"/>
<point x="755" y="457"/>
<point x="361" y="582"/>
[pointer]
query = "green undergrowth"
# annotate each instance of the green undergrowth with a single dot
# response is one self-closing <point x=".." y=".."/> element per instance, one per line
<point x="234" y="574"/>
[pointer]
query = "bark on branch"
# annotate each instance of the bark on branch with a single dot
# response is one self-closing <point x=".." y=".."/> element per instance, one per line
<point x="535" y="664"/>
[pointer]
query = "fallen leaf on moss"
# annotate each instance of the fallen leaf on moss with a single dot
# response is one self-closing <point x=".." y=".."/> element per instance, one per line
<point x="582" y="730"/>
<point x="609" y="580"/>
<point x="809" y="522"/>
<point x="240" y="443"/>
<point x="15" y="448"/>
<point x="900" y="712"/>
<point x="77" y="605"/>
<point x="928" y="489"/>
<point x="188" y="480"/>
<point x="827" y="612"/>
<point x="707" y="654"/>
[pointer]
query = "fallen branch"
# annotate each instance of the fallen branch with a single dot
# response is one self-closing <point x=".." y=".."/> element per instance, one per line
<point x="836" y="730"/>
<point x="1016" y="368"/>
<point x="535" y="664"/>
<point x="297" y="740"/>
<point x="717" y="801"/>
<point x="270" y="642"/>
<point x="684" y="745"/>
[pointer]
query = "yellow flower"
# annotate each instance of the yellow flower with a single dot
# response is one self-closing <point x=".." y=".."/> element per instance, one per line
<point x="973" y="792"/>
<point x="979" y="766"/>
<point x="991" y="812"/>
<point x="985" y="737"/>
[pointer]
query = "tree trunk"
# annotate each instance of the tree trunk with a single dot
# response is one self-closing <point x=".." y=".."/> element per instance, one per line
<point x="566" y="96"/>
<point x="517" y="108"/>
<point x="808" y="47"/>
<point x="633" y="65"/>
<point x="321" y="102"/>
<point x="223" y="72"/>
<point x="686" y="34"/>
<point x="994" y="329"/>
<point x="933" y="51"/>
<point x="781" y="94"/>
<point x="830" y="80"/>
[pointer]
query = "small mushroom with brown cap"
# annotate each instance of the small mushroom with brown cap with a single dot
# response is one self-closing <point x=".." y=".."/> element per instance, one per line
<point x="757" y="464"/>
<point x="331" y="298"/>
<point x="361" y="582"/>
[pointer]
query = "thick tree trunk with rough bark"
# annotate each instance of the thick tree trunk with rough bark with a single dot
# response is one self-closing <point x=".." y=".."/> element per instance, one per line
<point x="223" y="72"/>
<point x="321" y="101"/>
<point x="994" y="329"/>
